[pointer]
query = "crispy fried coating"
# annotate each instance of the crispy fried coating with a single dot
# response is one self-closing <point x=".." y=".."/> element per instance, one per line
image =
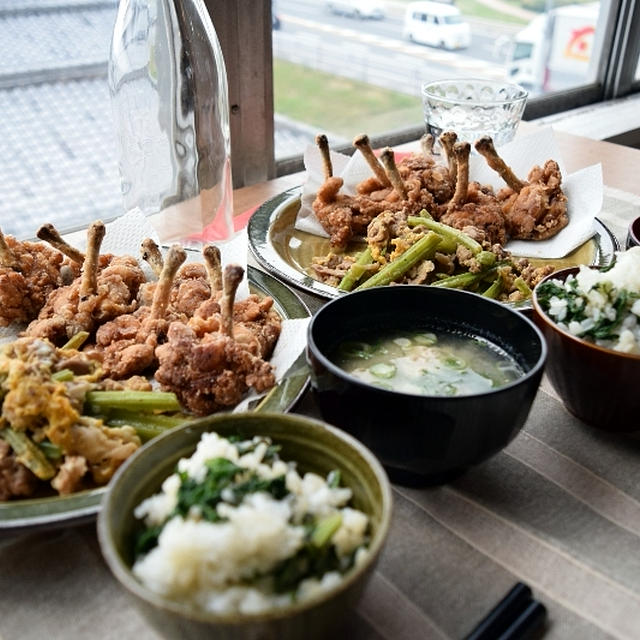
<point x="535" y="209"/>
<point x="29" y="273"/>
<point x="214" y="359"/>
<point x="539" y="210"/>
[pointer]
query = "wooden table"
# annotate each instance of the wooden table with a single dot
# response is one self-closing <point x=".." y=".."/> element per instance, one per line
<point x="558" y="509"/>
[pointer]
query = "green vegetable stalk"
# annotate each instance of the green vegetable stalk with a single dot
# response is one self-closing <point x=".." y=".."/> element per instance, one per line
<point x="356" y="271"/>
<point x="143" y="401"/>
<point x="461" y="280"/>
<point x="64" y="375"/>
<point x="495" y="288"/>
<point x="147" y="425"/>
<point x="447" y="232"/>
<point x="522" y="287"/>
<point x="28" y="453"/>
<point x="423" y="249"/>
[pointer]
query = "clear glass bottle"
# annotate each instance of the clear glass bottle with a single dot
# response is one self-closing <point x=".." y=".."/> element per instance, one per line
<point x="169" y="97"/>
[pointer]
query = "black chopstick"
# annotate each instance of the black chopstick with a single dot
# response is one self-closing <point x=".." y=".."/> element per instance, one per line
<point x="528" y="623"/>
<point x="516" y="617"/>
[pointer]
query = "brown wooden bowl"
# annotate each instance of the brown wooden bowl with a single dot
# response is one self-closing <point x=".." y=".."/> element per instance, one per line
<point x="597" y="385"/>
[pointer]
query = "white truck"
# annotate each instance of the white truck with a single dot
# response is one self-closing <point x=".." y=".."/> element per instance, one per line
<point x="556" y="50"/>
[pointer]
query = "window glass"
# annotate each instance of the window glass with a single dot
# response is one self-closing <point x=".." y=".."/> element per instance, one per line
<point x="365" y="75"/>
<point x="58" y="162"/>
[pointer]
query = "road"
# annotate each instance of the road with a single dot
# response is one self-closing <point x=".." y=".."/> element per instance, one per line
<point x="375" y="49"/>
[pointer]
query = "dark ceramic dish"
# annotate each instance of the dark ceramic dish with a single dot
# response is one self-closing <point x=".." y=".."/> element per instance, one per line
<point x="599" y="386"/>
<point x="424" y="439"/>
<point x="315" y="446"/>
<point x="633" y="234"/>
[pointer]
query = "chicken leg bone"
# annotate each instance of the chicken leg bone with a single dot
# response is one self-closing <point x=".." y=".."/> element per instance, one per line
<point x="175" y="257"/>
<point x="48" y="233"/>
<point x="447" y="140"/>
<point x="389" y="162"/>
<point x="233" y="274"/>
<point x="361" y="142"/>
<point x="89" y="276"/>
<point x="461" y="151"/>
<point x="7" y="257"/>
<point x="484" y="146"/>
<point x="426" y="145"/>
<point x="323" y="145"/>
<point x="152" y="255"/>
<point x="212" y="262"/>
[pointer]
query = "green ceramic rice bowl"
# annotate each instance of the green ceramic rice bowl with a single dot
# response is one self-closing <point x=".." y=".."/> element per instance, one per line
<point x="314" y="446"/>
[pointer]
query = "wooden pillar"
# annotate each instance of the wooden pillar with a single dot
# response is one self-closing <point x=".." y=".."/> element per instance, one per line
<point x="244" y="31"/>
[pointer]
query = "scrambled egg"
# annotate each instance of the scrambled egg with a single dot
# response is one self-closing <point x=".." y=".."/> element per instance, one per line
<point x="42" y="390"/>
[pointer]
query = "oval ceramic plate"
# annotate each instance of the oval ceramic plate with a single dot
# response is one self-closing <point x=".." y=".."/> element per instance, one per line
<point x="21" y="515"/>
<point x="288" y="253"/>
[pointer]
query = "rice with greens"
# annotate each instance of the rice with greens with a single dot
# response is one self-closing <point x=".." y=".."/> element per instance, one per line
<point x="237" y="529"/>
<point x="599" y="305"/>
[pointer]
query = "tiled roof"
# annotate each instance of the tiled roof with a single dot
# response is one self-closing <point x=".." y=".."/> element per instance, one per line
<point x="58" y="162"/>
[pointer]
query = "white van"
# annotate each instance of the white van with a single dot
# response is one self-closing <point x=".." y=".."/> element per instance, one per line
<point x="436" y="24"/>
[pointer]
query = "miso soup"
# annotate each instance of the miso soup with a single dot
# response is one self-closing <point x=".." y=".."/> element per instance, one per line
<point x="428" y="363"/>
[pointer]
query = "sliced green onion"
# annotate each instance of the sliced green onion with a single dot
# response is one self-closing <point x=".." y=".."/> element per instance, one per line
<point x="64" y="375"/>
<point x="324" y="530"/>
<point x="76" y="341"/>
<point x="383" y="370"/>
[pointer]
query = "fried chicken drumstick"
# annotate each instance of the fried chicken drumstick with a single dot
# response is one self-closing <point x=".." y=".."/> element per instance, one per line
<point x="474" y="208"/>
<point x="127" y="344"/>
<point x="535" y="209"/>
<point x="433" y="177"/>
<point x="413" y="178"/>
<point x="213" y="370"/>
<point x="417" y="182"/>
<point x="99" y="295"/>
<point x="339" y="214"/>
<point x="190" y="286"/>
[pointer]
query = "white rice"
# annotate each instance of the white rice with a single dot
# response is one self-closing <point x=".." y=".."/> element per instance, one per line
<point x="597" y="292"/>
<point x="225" y="566"/>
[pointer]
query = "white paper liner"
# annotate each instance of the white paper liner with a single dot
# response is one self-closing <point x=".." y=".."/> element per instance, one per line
<point x="584" y="189"/>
